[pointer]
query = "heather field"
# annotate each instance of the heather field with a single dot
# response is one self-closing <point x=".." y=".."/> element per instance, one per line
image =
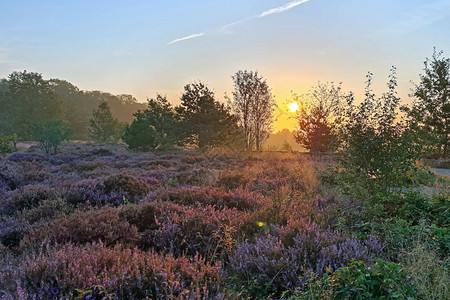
<point x="99" y="222"/>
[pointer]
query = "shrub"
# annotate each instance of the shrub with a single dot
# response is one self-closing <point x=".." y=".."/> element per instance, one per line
<point x="31" y="196"/>
<point x="12" y="230"/>
<point x="411" y="206"/>
<point x="239" y="199"/>
<point x="11" y="174"/>
<point x="85" y="227"/>
<point x="231" y="180"/>
<point x="120" y="272"/>
<point x="197" y="176"/>
<point x="379" y="151"/>
<point x="208" y="231"/>
<point x="382" y="280"/>
<point x="91" y="191"/>
<point x="7" y="144"/>
<point x="125" y="182"/>
<point x="51" y="134"/>
<point x="289" y="266"/>
<point x="46" y="211"/>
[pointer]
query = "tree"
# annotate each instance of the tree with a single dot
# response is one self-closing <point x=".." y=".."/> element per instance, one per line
<point x="253" y="105"/>
<point x="78" y="106"/>
<point x="153" y="128"/>
<point x="379" y="149"/>
<point x="431" y="109"/>
<point x="320" y="111"/>
<point x="205" y="121"/>
<point x="104" y="127"/>
<point x="51" y="134"/>
<point x="30" y="101"/>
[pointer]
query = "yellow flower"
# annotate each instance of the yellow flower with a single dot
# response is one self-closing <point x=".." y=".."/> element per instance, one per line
<point x="260" y="224"/>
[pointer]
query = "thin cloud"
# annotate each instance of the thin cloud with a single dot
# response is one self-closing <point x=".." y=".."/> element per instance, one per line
<point x="276" y="10"/>
<point x="281" y="9"/>
<point x="227" y="27"/>
<point x="192" y="36"/>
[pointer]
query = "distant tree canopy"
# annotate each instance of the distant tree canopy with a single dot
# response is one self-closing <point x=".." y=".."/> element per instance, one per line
<point x="153" y="128"/>
<point x="205" y="122"/>
<point x="253" y="105"/>
<point x="27" y="100"/>
<point x="431" y="109"/>
<point x="320" y="111"/>
<point x="104" y="127"/>
<point x="78" y="106"/>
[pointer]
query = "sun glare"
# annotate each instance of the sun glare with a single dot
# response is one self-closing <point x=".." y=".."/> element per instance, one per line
<point x="293" y="107"/>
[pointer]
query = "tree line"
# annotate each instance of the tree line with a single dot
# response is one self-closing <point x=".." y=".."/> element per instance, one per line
<point x="203" y="122"/>
<point x="328" y="119"/>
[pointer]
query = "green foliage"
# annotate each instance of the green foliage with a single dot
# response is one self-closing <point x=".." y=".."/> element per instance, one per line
<point x="431" y="110"/>
<point x="153" y="128"/>
<point x="27" y="101"/>
<point x="379" y="150"/>
<point x="7" y="144"/>
<point x="204" y="121"/>
<point x="103" y="126"/>
<point x="259" y="287"/>
<point x="78" y="106"/>
<point x="383" y="280"/>
<point x="51" y="134"/>
<point x="319" y="112"/>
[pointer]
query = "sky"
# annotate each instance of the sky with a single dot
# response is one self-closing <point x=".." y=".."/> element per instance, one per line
<point x="158" y="46"/>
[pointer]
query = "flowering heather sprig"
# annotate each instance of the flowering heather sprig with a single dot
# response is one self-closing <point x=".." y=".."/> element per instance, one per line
<point x="239" y="199"/>
<point x="84" y="227"/>
<point x="121" y="272"/>
<point x="312" y="251"/>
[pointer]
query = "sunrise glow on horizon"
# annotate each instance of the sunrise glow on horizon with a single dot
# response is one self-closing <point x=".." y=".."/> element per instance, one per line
<point x="148" y="47"/>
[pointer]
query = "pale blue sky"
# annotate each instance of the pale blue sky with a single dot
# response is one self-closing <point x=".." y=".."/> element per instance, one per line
<point x="125" y="46"/>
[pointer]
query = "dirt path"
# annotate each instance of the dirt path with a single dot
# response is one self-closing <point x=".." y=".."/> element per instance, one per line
<point x="442" y="172"/>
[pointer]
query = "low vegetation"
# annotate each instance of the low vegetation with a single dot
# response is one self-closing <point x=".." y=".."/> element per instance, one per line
<point x="93" y="222"/>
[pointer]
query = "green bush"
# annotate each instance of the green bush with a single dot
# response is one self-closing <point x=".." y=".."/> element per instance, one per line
<point x="383" y="280"/>
<point x="51" y="134"/>
<point x="7" y="144"/>
<point x="379" y="151"/>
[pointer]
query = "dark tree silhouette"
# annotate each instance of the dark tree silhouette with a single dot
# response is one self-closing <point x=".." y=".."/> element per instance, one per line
<point x="320" y="111"/>
<point x="253" y="105"/>
<point x="153" y="128"/>
<point x="431" y="109"/>
<point x="104" y="127"/>
<point x="205" y="121"/>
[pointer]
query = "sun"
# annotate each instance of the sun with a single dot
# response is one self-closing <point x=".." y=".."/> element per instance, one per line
<point x="293" y="107"/>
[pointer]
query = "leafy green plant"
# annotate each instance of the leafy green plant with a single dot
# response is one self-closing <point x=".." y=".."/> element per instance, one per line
<point x="7" y="144"/>
<point x="379" y="150"/>
<point x="51" y="134"/>
<point x="153" y="128"/>
<point x="382" y="280"/>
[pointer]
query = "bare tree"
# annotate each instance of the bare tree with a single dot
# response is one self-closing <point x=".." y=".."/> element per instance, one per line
<point x="253" y="105"/>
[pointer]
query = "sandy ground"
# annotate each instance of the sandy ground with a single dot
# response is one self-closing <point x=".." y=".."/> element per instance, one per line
<point x="442" y="172"/>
